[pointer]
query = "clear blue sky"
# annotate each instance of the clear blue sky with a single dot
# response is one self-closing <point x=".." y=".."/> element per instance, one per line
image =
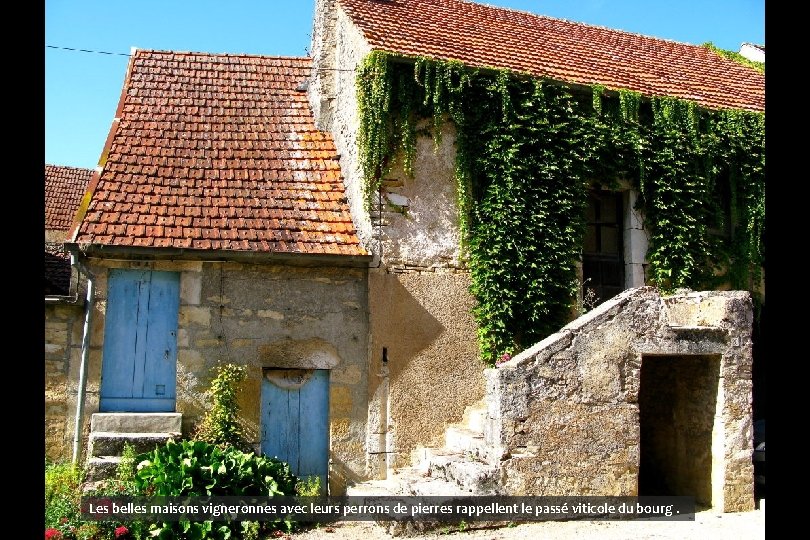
<point x="82" y="89"/>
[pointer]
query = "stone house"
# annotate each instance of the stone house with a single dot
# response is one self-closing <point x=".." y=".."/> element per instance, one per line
<point x="231" y="187"/>
<point x="215" y="231"/>
<point x="64" y="187"/>
<point x="419" y="274"/>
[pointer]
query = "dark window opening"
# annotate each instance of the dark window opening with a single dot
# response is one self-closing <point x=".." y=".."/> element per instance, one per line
<point x="603" y="249"/>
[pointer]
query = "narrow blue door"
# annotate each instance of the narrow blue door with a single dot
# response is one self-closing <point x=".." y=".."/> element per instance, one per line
<point x="139" y="362"/>
<point x="295" y="420"/>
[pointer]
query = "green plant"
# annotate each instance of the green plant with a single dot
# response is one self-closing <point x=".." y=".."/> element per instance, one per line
<point x="309" y="486"/>
<point x="220" y="425"/>
<point x="250" y="530"/>
<point x="198" y="468"/>
<point x="62" y="497"/>
<point x="737" y="57"/>
<point x="528" y="149"/>
<point x="588" y="299"/>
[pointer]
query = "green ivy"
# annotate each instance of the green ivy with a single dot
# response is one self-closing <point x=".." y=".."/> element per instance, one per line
<point x="737" y="57"/>
<point x="220" y="424"/>
<point x="527" y="151"/>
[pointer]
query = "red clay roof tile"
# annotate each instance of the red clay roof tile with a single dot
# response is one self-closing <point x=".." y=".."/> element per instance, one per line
<point x="64" y="188"/>
<point x="208" y="149"/>
<point x="486" y="36"/>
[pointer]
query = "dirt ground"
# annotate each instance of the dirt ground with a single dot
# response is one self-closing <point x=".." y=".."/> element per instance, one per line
<point x="708" y="524"/>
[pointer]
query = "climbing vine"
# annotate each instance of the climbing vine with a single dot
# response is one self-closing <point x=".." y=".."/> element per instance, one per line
<point x="737" y="57"/>
<point x="528" y="150"/>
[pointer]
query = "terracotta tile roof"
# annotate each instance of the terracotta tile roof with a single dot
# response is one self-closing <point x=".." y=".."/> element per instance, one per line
<point x="486" y="36"/>
<point x="64" y="187"/>
<point x="218" y="152"/>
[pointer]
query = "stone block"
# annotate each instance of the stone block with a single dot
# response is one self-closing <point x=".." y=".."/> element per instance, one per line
<point x="137" y="422"/>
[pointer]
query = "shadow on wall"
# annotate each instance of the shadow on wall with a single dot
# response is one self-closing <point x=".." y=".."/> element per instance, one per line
<point x="423" y="322"/>
<point x="402" y="323"/>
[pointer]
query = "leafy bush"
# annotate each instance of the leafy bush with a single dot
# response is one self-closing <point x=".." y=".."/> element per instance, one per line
<point x="308" y="487"/>
<point x="220" y="425"/>
<point x="198" y="468"/>
<point x="62" y="496"/>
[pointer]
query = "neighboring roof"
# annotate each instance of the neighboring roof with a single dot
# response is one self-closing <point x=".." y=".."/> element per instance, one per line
<point x="754" y="45"/>
<point x="218" y="152"/>
<point x="486" y="36"/>
<point x="64" y="187"/>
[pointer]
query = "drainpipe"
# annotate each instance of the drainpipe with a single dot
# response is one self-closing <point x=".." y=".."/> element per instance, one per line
<point x="88" y="313"/>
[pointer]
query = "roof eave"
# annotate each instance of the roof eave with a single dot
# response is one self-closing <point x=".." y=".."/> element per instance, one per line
<point x="217" y="255"/>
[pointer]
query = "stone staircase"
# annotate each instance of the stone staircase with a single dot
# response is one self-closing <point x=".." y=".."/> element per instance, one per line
<point x="110" y="432"/>
<point x="461" y="468"/>
<point x="563" y="416"/>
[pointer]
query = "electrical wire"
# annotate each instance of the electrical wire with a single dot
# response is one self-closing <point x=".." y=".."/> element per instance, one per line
<point x="86" y="50"/>
<point x="108" y="53"/>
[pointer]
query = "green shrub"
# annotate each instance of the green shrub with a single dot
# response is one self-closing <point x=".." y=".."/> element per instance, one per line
<point x="198" y="468"/>
<point x="62" y="496"/>
<point x="220" y="425"/>
<point x="308" y="487"/>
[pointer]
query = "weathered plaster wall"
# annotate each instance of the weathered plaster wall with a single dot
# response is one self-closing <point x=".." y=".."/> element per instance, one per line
<point x="419" y="304"/>
<point x="423" y="321"/>
<point x="563" y="416"/>
<point x="264" y="315"/>
<point x="63" y="341"/>
<point x="418" y="219"/>
<point x="421" y="307"/>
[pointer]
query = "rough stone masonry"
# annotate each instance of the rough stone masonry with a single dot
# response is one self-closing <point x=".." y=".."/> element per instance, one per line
<point x="644" y="395"/>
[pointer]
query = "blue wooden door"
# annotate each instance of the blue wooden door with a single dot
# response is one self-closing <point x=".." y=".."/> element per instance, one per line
<point x="139" y="362"/>
<point x="295" y="420"/>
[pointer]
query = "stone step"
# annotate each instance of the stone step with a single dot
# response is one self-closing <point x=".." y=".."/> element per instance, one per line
<point x="106" y="443"/>
<point x="373" y="488"/>
<point x="467" y="441"/>
<point x="414" y="482"/>
<point x="422" y="457"/>
<point x="472" y="476"/>
<point x="475" y="416"/>
<point x="137" y="422"/>
<point x="101" y="467"/>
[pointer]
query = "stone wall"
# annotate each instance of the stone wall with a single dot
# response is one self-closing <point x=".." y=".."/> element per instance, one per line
<point x="564" y="416"/>
<point x="262" y="315"/>
<point x="63" y="342"/>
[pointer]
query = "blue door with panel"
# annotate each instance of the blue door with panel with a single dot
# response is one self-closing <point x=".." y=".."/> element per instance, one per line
<point x="139" y="362"/>
<point x="295" y="420"/>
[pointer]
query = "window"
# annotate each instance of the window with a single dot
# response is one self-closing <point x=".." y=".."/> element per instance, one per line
<point x="602" y="253"/>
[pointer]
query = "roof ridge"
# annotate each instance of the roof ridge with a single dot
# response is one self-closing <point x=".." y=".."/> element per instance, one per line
<point x="225" y="54"/>
<point x="68" y="167"/>
<point x="579" y="23"/>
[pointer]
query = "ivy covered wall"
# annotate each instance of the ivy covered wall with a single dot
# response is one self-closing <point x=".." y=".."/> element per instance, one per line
<point x="527" y="151"/>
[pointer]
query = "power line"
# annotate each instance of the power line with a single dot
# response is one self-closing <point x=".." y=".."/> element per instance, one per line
<point x="123" y="54"/>
<point x="86" y="50"/>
